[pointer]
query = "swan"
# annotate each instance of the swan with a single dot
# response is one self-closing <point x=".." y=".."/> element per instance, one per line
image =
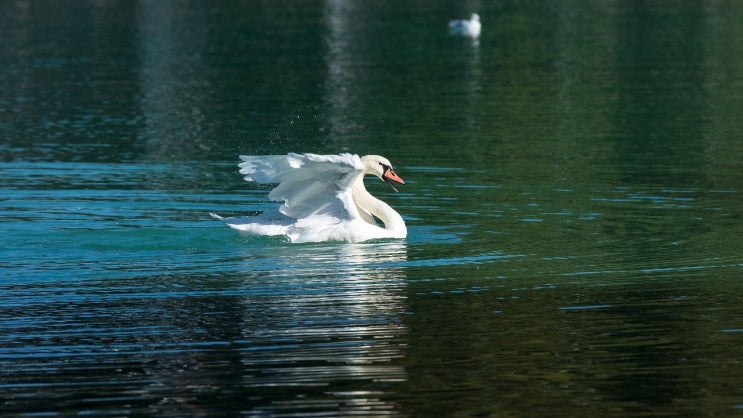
<point x="469" y="28"/>
<point x="324" y="198"/>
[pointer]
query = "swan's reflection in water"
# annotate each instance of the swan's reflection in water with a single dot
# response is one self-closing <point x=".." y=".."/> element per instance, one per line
<point x="322" y="329"/>
<point x="289" y="330"/>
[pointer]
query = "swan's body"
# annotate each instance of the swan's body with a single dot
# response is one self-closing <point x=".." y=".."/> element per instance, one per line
<point x="469" y="27"/>
<point x="324" y="198"/>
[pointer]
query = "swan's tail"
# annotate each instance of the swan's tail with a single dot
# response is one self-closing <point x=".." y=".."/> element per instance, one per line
<point x="256" y="225"/>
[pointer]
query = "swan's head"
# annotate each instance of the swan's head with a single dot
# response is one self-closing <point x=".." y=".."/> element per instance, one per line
<point x="381" y="167"/>
<point x="475" y="17"/>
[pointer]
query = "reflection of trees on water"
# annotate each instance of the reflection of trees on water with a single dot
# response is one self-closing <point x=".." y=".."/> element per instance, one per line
<point x="341" y="96"/>
<point x="215" y="81"/>
<point x="175" y="81"/>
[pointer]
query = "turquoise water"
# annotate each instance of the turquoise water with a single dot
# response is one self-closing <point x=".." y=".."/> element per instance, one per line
<point x="573" y="202"/>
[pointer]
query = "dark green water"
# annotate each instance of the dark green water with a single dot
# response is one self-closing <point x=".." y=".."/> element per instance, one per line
<point x="574" y="206"/>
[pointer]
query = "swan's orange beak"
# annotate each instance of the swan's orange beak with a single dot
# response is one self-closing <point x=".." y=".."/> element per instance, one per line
<point x="390" y="177"/>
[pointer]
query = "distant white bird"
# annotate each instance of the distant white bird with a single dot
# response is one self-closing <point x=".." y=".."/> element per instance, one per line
<point x="469" y="28"/>
<point x="324" y="198"/>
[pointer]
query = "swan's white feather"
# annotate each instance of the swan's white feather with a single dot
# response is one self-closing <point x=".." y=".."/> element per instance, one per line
<point x="469" y="27"/>
<point x="317" y="195"/>
<point x="264" y="169"/>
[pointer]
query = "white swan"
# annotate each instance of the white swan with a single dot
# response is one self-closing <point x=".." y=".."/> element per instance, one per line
<point x="324" y="198"/>
<point x="469" y="28"/>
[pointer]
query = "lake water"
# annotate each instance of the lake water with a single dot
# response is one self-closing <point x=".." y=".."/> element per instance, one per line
<point x="574" y="201"/>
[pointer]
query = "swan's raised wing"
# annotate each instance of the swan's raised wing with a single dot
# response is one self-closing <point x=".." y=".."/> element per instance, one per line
<point x="264" y="169"/>
<point x="314" y="188"/>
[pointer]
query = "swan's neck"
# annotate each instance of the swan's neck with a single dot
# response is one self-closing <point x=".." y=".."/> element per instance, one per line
<point x="367" y="203"/>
